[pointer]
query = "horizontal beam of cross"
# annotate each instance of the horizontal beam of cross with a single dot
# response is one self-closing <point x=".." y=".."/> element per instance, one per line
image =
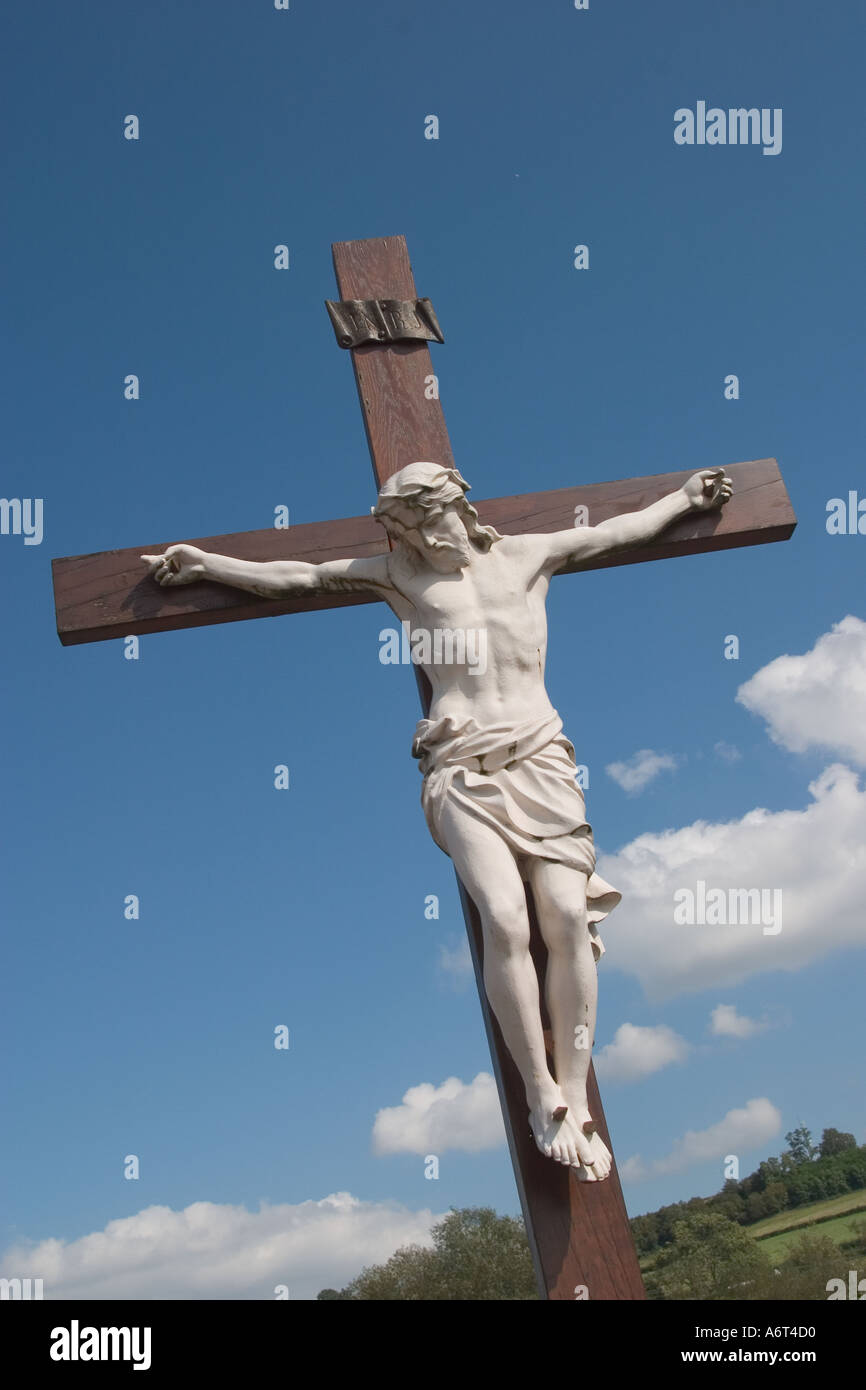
<point x="110" y="594"/>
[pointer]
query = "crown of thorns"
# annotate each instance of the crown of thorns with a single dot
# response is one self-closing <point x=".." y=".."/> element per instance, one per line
<point x="424" y="488"/>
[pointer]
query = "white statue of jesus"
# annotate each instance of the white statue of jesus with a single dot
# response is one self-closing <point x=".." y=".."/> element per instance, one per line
<point x="499" y="790"/>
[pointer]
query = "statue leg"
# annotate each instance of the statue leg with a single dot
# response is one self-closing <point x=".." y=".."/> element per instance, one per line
<point x="571" y="987"/>
<point x="490" y="875"/>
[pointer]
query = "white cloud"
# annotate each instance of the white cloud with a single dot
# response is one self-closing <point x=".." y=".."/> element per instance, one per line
<point x="433" y="1119"/>
<point x="640" y="769"/>
<point x="738" y="1133"/>
<point x="816" y="857"/>
<point x="456" y="962"/>
<point x="728" y="752"/>
<point x="725" y="1022"/>
<point x="816" y="700"/>
<point x="210" y="1250"/>
<point x="637" y="1052"/>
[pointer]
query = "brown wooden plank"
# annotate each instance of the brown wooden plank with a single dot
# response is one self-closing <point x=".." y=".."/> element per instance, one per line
<point x="402" y="424"/>
<point x="110" y="595"/>
<point x="578" y="1232"/>
<point x="759" y="512"/>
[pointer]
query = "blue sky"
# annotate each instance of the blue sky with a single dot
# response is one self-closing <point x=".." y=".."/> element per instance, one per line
<point x="155" y="777"/>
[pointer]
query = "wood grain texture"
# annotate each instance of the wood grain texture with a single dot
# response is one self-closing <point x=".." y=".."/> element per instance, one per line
<point x="402" y="424"/>
<point x="110" y="594"/>
<point x="759" y="512"/>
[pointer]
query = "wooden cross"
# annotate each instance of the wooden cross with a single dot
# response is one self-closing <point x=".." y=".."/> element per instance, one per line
<point x="578" y="1232"/>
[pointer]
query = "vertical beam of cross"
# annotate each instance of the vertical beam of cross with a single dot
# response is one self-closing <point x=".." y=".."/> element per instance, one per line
<point x="578" y="1232"/>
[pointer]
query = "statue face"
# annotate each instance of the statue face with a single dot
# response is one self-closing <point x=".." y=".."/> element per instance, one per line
<point x="442" y="540"/>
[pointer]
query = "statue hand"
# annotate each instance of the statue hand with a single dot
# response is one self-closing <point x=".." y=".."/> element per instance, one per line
<point x="707" y="489"/>
<point x="181" y="564"/>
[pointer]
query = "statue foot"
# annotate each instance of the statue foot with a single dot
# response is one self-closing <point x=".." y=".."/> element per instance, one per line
<point x="559" y="1136"/>
<point x="600" y="1158"/>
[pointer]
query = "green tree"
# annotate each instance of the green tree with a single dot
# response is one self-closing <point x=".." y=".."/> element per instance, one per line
<point x="729" y="1203"/>
<point x="667" y="1219"/>
<point x="853" y="1164"/>
<point x="645" y="1230"/>
<point x="757" y="1207"/>
<point x="856" y="1246"/>
<point x="834" y="1141"/>
<point x="411" y="1275"/>
<point x="476" y="1255"/>
<point x="811" y="1260"/>
<point x="710" y="1257"/>
<point x="800" y="1146"/>
<point x="775" y="1197"/>
<point x="482" y="1255"/>
<point x="771" y="1170"/>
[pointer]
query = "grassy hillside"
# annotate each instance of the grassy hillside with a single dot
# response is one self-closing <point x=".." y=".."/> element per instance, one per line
<point x="805" y="1216"/>
<point x="837" y="1217"/>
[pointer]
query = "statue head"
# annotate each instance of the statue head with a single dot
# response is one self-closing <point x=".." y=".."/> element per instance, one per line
<point x="424" y="507"/>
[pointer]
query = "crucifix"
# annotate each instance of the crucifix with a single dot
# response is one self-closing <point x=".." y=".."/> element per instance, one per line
<point x="499" y="790"/>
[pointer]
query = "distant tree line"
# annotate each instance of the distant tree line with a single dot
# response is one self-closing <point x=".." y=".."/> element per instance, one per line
<point x="803" y="1173"/>
<point x="712" y="1258"/>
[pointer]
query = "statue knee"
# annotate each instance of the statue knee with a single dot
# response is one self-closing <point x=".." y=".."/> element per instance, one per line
<point x="506" y="925"/>
<point x="564" y="927"/>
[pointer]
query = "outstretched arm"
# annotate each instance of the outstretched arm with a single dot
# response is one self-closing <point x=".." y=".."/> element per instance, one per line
<point x="186" y="564"/>
<point x="704" y="491"/>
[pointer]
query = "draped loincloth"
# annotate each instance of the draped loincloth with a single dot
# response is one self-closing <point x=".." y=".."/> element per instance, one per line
<point x="520" y="780"/>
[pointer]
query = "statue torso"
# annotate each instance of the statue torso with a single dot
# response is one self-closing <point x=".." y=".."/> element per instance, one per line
<point x="494" y="611"/>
